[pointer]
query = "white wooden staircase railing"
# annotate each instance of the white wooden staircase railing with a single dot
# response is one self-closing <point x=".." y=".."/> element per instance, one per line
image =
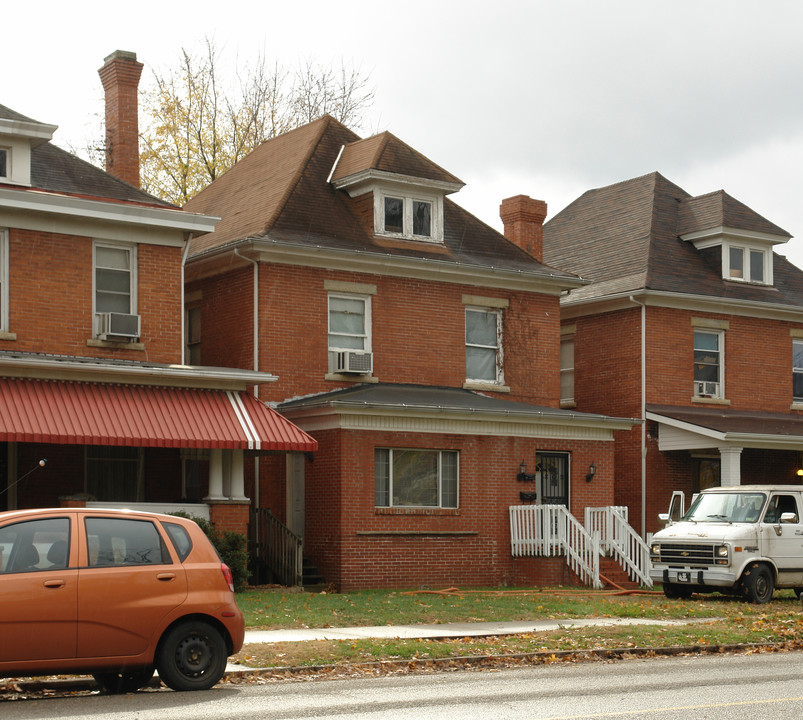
<point x="620" y="541"/>
<point x="551" y="530"/>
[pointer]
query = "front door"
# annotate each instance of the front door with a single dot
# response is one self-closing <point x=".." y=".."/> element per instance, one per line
<point x="552" y="478"/>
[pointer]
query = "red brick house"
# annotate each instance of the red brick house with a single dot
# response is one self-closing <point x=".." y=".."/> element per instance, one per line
<point x="690" y="322"/>
<point x="97" y="404"/>
<point x="418" y="346"/>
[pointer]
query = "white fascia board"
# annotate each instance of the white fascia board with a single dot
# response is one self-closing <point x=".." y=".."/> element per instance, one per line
<point x="680" y="301"/>
<point x="87" y="370"/>
<point x="37" y="132"/>
<point x="35" y="201"/>
<point x="363" y="181"/>
<point x="688" y="427"/>
<point x="713" y="236"/>
<point x="459" y="421"/>
<point x="410" y="267"/>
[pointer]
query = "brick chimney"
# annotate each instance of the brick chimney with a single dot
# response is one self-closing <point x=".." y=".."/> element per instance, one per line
<point x="524" y="223"/>
<point x="120" y="77"/>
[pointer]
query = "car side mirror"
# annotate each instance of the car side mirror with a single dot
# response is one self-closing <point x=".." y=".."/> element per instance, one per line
<point x="788" y="517"/>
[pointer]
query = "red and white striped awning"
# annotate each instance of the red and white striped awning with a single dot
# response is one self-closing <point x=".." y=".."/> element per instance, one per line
<point x="83" y="413"/>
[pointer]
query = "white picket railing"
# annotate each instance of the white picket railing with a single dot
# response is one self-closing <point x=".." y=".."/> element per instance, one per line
<point x="620" y="541"/>
<point x="551" y="530"/>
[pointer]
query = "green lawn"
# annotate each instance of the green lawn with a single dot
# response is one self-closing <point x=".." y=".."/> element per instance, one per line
<point x="726" y="621"/>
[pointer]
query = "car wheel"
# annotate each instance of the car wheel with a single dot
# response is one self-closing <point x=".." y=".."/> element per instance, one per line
<point x="192" y="656"/>
<point x="123" y="682"/>
<point x="677" y="592"/>
<point x="798" y="591"/>
<point x="757" y="583"/>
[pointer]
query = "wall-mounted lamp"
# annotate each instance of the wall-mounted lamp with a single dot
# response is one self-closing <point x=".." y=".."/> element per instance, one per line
<point x="800" y="472"/>
<point x="592" y="470"/>
<point x="523" y="475"/>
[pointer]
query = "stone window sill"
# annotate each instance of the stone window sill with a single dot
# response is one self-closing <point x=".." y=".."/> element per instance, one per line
<point x="344" y="377"/>
<point x="95" y="343"/>
<point x="710" y="401"/>
<point x="485" y="387"/>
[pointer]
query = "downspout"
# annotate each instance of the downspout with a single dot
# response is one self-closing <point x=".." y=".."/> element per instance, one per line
<point x="184" y="253"/>
<point x="256" y="357"/>
<point x="643" y="351"/>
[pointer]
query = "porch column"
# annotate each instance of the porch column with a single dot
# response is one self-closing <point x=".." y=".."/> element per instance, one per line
<point x="237" y="484"/>
<point x="730" y="466"/>
<point x="215" y="474"/>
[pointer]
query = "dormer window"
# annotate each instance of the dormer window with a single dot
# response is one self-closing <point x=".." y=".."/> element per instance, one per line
<point x="406" y="217"/>
<point x="746" y="264"/>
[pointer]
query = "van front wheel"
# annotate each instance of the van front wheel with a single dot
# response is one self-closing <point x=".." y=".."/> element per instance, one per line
<point x="757" y="584"/>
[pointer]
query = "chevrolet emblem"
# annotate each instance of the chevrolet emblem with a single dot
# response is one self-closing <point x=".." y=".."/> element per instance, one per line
<point x="685" y="553"/>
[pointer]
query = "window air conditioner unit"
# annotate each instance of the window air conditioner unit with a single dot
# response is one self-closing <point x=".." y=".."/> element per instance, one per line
<point x="118" y="326"/>
<point x="706" y="389"/>
<point x="351" y="361"/>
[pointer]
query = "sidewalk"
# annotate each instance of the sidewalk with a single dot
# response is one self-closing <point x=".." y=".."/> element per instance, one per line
<point x="445" y="630"/>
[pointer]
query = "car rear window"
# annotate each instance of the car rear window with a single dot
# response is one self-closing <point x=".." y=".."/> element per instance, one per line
<point x="113" y="542"/>
<point x="180" y="538"/>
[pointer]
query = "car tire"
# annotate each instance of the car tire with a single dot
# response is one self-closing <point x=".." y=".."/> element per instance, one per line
<point x="192" y="656"/>
<point x="757" y="583"/>
<point x="123" y="682"/>
<point x="677" y="592"/>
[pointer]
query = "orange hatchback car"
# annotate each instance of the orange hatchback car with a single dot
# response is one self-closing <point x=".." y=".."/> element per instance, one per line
<point x="115" y="594"/>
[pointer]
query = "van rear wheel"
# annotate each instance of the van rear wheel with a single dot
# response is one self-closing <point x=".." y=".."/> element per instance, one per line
<point x="757" y="583"/>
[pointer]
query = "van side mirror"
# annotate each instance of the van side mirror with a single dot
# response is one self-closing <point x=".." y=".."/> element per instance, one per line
<point x="663" y="517"/>
<point x="788" y="517"/>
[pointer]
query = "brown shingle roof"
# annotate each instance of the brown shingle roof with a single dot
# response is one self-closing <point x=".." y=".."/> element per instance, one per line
<point x="387" y="153"/>
<point x="280" y="193"/>
<point x="629" y="233"/>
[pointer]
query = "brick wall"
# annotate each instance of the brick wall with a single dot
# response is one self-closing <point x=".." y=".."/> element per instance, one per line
<point x="418" y="331"/>
<point x="358" y="545"/>
<point x="50" y="298"/>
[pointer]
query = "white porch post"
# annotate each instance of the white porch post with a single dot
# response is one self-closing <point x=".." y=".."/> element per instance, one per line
<point x="730" y="466"/>
<point x="215" y="474"/>
<point x="237" y="476"/>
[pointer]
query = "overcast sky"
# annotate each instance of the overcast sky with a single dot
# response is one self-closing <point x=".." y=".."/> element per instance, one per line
<point x="542" y="98"/>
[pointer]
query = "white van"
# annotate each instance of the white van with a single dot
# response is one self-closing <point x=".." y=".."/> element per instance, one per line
<point x="746" y="539"/>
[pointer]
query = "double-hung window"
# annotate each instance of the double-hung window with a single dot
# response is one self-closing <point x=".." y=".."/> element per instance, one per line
<point x="349" y="322"/>
<point x="5" y="170"/>
<point x="484" y="345"/>
<point x="115" y="286"/>
<point x="797" y="370"/>
<point x="409" y="217"/>
<point x="567" y="369"/>
<point x="708" y="363"/>
<point x="748" y="264"/>
<point x="415" y="478"/>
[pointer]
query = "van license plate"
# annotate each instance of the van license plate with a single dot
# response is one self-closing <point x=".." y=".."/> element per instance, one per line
<point x="684" y="577"/>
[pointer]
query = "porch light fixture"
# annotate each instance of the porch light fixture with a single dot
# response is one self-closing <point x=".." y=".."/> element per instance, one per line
<point x="592" y="470"/>
<point x="800" y="472"/>
<point x="523" y="475"/>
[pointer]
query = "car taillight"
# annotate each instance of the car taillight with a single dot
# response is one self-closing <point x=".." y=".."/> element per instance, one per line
<point x="226" y="570"/>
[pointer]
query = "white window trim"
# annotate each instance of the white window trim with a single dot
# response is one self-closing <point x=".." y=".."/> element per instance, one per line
<point x="366" y="299"/>
<point x="746" y="249"/>
<point x="132" y="250"/>
<point x="436" y="219"/>
<point x="440" y="452"/>
<point x="500" y="371"/>
<point x="721" y="352"/>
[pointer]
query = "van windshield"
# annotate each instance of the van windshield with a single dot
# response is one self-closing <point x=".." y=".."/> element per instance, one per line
<point x="726" y="507"/>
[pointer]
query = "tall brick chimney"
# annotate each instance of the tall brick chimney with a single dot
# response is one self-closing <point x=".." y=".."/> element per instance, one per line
<point x="120" y="77"/>
<point x="524" y="223"/>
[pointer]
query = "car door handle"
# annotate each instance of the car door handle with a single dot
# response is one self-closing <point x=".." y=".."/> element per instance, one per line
<point x="166" y="577"/>
<point x="54" y="583"/>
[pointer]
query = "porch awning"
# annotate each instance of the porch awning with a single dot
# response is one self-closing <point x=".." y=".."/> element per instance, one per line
<point x="83" y="413"/>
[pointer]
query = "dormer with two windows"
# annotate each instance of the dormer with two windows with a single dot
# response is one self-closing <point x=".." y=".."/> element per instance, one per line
<point x="744" y="238"/>
<point x="406" y="187"/>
